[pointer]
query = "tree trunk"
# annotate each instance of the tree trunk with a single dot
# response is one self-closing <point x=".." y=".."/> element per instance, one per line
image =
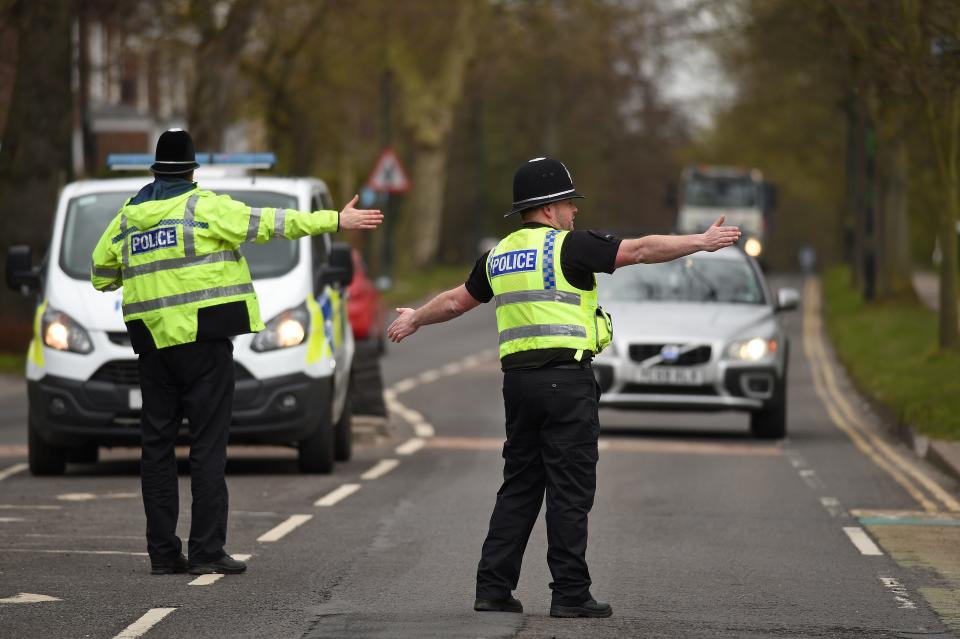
<point x="429" y="174"/>
<point x="949" y="329"/>
<point x="35" y="152"/>
<point x="893" y="239"/>
<point x="856" y="187"/>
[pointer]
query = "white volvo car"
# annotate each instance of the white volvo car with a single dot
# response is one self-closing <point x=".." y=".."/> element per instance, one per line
<point x="700" y="333"/>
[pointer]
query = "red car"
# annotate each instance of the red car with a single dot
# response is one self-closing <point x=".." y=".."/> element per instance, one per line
<point x="365" y="307"/>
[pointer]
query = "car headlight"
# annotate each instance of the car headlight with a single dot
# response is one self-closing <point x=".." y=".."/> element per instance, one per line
<point x="752" y="350"/>
<point x="289" y="328"/>
<point x="62" y="332"/>
<point x="753" y="247"/>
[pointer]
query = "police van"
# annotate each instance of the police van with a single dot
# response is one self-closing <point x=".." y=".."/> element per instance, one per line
<point x="292" y="379"/>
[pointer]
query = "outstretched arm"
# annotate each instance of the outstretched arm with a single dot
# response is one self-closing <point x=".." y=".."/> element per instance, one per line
<point x="663" y="248"/>
<point x="441" y="308"/>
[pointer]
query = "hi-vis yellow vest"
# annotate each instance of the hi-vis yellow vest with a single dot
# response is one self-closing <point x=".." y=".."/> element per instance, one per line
<point x="176" y="256"/>
<point x="537" y="307"/>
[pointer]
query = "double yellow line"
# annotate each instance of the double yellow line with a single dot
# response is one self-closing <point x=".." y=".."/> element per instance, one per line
<point x="928" y="493"/>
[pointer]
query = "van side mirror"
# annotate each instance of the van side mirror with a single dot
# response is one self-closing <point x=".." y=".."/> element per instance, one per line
<point x="21" y="274"/>
<point x="787" y="299"/>
<point x="339" y="267"/>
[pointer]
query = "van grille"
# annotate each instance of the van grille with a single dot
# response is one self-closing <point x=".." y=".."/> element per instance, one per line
<point x="124" y="372"/>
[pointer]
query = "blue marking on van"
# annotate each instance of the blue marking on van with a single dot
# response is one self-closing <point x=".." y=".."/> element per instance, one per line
<point x="513" y="262"/>
<point x="158" y="238"/>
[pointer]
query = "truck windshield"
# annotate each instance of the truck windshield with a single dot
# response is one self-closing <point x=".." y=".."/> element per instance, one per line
<point x="89" y="215"/>
<point x="729" y="192"/>
<point x="689" y="279"/>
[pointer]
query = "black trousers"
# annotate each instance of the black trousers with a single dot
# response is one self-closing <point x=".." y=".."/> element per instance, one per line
<point x="193" y="381"/>
<point x="551" y="448"/>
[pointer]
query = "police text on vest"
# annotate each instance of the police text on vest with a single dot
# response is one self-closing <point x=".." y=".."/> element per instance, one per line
<point x="162" y="237"/>
<point x="513" y="262"/>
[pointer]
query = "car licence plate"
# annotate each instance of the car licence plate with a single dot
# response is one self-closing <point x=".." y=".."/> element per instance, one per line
<point x="677" y="375"/>
<point x="136" y="399"/>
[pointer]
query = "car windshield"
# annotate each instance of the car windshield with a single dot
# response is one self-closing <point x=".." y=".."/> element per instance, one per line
<point x="732" y="192"/>
<point x="695" y="278"/>
<point x="89" y="215"/>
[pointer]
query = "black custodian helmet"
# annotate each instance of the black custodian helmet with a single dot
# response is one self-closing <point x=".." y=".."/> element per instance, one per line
<point x="541" y="181"/>
<point x="175" y="153"/>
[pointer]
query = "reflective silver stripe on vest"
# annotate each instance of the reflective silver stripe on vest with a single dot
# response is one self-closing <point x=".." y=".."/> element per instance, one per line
<point x="279" y="217"/>
<point x="516" y="297"/>
<point x="542" y="330"/>
<point x="124" y="244"/>
<point x="180" y="262"/>
<point x="187" y="298"/>
<point x="111" y="273"/>
<point x="188" y="227"/>
<point x="254" y="226"/>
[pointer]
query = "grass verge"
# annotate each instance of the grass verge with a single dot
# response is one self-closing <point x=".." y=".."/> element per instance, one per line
<point x="12" y="363"/>
<point x="890" y="350"/>
<point x="411" y="288"/>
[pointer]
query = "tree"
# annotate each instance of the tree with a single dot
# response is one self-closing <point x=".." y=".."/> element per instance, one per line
<point x="35" y="148"/>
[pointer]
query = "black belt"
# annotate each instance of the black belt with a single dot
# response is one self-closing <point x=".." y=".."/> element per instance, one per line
<point x="572" y="365"/>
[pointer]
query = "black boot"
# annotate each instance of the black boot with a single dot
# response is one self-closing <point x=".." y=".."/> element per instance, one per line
<point x="589" y="608"/>
<point x="226" y="565"/>
<point x="510" y="604"/>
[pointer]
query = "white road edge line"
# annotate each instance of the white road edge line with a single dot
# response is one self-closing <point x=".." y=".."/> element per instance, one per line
<point x="337" y="495"/>
<point x="279" y="531"/>
<point x="862" y="541"/>
<point x="423" y="430"/>
<point x="382" y="467"/>
<point x="139" y="627"/>
<point x="13" y="470"/>
<point x="410" y="446"/>
<point x="899" y="593"/>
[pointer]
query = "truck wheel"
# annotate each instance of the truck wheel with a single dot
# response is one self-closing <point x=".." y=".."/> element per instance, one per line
<point x="316" y="451"/>
<point x="44" y="459"/>
<point x="343" y="431"/>
<point x="771" y="422"/>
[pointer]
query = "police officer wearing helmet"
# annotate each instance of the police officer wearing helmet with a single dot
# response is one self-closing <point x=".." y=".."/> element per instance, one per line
<point x="174" y="249"/>
<point x="550" y="327"/>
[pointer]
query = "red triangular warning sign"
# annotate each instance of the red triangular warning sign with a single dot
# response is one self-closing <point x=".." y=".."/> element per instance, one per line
<point x="388" y="175"/>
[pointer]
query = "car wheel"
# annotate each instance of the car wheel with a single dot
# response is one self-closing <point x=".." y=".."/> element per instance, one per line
<point x="44" y="459"/>
<point x="315" y="453"/>
<point x="88" y="454"/>
<point x="343" y="430"/>
<point x="771" y="421"/>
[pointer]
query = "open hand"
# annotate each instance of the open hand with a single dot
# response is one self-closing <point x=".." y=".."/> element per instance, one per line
<point x="718" y="236"/>
<point x="351" y="218"/>
<point x="403" y="326"/>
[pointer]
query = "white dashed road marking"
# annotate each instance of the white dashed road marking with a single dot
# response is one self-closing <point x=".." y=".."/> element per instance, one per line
<point x="281" y="530"/>
<point x="410" y="446"/>
<point x="337" y="495"/>
<point x="12" y="470"/>
<point x="862" y="541"/>
<point x="9" y="520"/>
<point x="139" y="627"/>
<point x="832" y="504"/>
<point x="383" y="467"/>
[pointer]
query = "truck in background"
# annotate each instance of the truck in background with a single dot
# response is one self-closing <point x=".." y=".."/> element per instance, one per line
<point x="706" y="192"/>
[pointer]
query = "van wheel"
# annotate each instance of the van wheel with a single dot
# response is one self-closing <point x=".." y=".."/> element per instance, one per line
<point x="343" y="430"/>
<point x="771" y="421"/>
<point x="44" y="459"/>
<point x="316" y="451"/>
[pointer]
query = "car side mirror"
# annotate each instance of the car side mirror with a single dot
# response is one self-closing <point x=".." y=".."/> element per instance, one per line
<point x="339" y="267"/>
<point x="787" y="299"/>
<point x="21" y="274"/>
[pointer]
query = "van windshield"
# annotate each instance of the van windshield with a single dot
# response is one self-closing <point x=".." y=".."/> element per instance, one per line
<point x="89" y="215"/>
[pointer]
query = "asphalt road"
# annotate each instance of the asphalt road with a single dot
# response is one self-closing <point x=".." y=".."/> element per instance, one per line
<point x="698" y="531"/>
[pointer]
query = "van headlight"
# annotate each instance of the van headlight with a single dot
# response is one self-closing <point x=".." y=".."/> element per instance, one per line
<point x="63" y="333"/>
<point x="289" y="328"/>
<point x="752" y="350"/>
<point x="753" y="247"/>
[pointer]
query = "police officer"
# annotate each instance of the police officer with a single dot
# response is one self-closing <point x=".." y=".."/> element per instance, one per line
<point x="550" y="326"/>
<point x="186" y="289"/>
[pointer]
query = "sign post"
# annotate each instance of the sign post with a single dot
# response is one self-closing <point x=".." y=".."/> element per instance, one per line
<point x="388" y="178"/>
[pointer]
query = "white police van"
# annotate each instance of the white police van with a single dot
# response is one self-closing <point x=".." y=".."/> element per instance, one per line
<point x="292" y="379"/>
